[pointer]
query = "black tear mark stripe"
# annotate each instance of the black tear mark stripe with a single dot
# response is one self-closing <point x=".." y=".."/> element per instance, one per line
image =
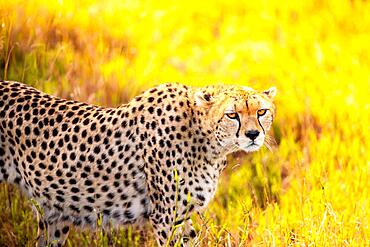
<point x="237" y="133"/>
<point x="237" y="118"/>
<point x="260" y="125"/>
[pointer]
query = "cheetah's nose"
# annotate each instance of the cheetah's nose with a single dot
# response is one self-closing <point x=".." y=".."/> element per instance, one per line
<point x="252" y="134"/>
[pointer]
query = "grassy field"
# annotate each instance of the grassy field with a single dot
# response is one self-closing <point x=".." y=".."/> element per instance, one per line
<point x="313" y="190"/>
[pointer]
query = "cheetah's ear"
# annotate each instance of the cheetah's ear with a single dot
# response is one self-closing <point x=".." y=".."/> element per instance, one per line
<point x="203" y="98"/>
<point x="271" y="92"/>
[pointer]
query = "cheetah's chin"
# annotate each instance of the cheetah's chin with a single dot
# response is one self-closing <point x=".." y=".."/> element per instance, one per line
<point x="251" y="148"/>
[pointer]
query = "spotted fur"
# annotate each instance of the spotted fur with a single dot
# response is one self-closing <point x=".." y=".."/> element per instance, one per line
<point x="157" y="157"/>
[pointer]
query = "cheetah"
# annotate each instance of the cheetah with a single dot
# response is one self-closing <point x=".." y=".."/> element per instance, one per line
<point x="157" y="158"/>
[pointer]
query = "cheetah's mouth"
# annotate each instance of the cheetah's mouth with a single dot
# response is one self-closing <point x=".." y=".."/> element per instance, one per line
<point x="250" y="147"/>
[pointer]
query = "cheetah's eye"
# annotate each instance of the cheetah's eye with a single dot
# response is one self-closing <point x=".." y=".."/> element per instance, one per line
<point x="261" y="112"/>
<point x="232" y="115"/>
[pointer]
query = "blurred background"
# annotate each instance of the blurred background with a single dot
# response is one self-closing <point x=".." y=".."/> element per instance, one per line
<point x="313" y="190"/>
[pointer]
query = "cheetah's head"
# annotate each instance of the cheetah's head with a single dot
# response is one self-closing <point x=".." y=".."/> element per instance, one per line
<point x="240" y="116"/>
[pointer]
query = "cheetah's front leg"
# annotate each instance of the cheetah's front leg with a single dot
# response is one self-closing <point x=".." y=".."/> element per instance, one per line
<point x="186" y="234"/>
<point x="189" y="233"/>
<point x="170" y="233"/>
<point x="41" y="241"/>
<point x="41" y="227"/>
<point x="57" y="233"/>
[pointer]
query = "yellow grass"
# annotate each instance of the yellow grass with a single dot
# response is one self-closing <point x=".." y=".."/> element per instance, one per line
<point x="313" y="190"/>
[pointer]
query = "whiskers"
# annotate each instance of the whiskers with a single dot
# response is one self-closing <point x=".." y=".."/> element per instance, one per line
<point x="234" y="147"/>
<point x="230" y="146"/>
<point x="218" y="139"/>
<point x="270" y="143"/>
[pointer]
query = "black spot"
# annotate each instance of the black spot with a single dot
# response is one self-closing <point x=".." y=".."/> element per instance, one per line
<point x="51" y="111"/>
<point x="192" y="233"/>
<point x="59" y="118"/>
<point x="59" y="198"/>
<point x="64" y="127"/>
<point x="151" y="110"/>
<point x="75" y="189"/>
<point x="88" y="208"/>
<point x="65" y="230"/>
<point x="105" y="188"/>
<point x="164" y="235"/>
<point x="41" y="225"/>
<point x="27" y="130"/>
<point x="88" y="183"/>
<point x="201" y="197"/>
<point x="75" y="198"/>
<point x="128" y="214"/>
<point x="74" y="208"/>
<point x="97" y="150"/>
